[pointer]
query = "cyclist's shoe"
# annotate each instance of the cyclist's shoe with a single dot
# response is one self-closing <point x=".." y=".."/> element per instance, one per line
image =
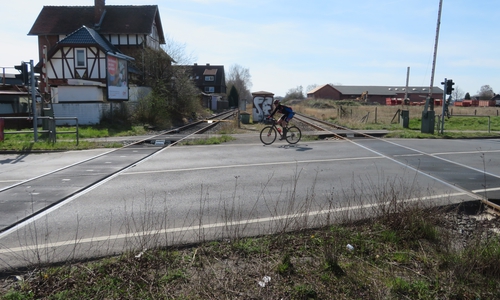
<point x="283" y="136"/>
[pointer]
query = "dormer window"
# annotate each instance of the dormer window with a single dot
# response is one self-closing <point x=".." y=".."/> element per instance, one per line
<point x="209" y="78"/>
<point x="80" y="58"/>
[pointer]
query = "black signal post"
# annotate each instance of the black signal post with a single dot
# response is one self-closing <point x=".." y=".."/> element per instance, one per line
<point x="449" y="86"/>
<point x="23" y="73"/>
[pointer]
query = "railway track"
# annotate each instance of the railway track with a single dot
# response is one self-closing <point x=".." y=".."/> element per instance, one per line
<point x="344" y="133"/>
<point x="25" y="200"/>
<point x="328" y="129"/>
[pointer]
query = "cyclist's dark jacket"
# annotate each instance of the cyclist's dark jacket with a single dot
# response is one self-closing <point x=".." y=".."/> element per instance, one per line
<point x="285" y="110"/>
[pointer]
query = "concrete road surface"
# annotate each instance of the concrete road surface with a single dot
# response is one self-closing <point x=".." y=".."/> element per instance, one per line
<point x="187" y="194"/>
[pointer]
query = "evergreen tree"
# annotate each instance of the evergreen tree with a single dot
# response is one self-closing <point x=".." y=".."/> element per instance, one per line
<point x="234" y="97"/>
<point x="467" y="96"/>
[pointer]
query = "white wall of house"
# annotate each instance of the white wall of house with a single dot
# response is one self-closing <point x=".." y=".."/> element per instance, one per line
<point x="153" y="38"/>
<point x="87" y="113"/>
<point x="63" y="94"/>
<point x="63" y="64"/>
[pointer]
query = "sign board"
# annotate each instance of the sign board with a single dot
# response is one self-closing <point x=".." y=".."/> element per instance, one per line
<point x="117" y="78"/>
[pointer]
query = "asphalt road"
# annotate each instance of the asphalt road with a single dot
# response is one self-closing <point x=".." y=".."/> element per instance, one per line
<point x="187" y="194"/>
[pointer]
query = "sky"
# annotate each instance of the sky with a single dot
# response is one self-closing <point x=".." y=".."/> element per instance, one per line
<point x="287" y="44"/>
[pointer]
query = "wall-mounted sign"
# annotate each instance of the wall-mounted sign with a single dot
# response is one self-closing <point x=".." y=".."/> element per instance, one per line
<point x="117" y="81"/>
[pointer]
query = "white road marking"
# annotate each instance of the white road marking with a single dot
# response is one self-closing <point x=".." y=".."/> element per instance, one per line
<point x="251" y="165"/>
<point x="486" y="190"/>
<point x="210" y="226"/>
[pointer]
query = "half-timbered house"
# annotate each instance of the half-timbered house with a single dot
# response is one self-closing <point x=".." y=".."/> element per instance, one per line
<point x="85" y="54"/>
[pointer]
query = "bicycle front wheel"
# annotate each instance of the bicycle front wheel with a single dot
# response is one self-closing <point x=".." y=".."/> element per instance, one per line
<point x="293" y="135"/>
<point x="268" y="135"/>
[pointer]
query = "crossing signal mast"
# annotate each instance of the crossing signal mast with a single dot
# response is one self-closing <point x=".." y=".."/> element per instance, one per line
<point x="28" y="79"/>
<point x="447" y="90"/>
<point x="449" y="86"/>
<point x="23" y="73"/>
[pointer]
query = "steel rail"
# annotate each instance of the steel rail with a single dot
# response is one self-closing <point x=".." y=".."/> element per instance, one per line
<point x="303" y="118"/>
<point x="27" y="218"/>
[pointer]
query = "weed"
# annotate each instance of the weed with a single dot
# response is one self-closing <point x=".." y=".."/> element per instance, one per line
<point x="286" y="266"/>
<point x="303" y="291"/>
<point x="417" y="288"/>
<point x="390" y="236"/>
<point x="332" y="254"/>
<point x="176" y="275"/>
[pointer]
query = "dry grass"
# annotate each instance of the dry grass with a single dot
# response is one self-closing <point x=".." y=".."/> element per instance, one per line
<point x="353" y="113"/>
<point x="383" y="114"/>
<point x="403" y="247"/>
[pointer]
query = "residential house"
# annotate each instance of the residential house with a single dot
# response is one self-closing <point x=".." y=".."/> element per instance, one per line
<point x="375" y="94"/>
<point x="211" y="81"/>
<point x="86" y="52"/>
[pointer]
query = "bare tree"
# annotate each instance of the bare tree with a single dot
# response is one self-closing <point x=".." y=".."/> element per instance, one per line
<point x="457" y="94"/>
<point x="486" y="92"/>
<point x="177" y="52"/>
<point x="310" y="88"/>
<point x="240" y="78"/>
<point x="295" y="93"/>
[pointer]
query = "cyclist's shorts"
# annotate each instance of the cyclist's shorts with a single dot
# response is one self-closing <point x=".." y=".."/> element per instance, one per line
<point x="287" y="117"/>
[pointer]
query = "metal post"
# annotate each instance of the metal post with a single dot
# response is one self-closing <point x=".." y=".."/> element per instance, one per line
<point x="427" y="124"/>
<point x="442" y="103"/>
<point x="407" y="82"/>
<point x="33" y="100"/>
<point x="435" y="47"/>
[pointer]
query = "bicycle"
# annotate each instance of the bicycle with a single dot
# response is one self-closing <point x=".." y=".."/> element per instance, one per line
<point x="269" y="133"/>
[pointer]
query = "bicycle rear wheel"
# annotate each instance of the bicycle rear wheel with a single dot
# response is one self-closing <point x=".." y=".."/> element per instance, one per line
<point x="268" y="135"/>
<point x="293" y="135"/>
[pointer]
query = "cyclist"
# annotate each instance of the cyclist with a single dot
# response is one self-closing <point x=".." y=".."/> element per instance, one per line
<point x="287" y="112"/>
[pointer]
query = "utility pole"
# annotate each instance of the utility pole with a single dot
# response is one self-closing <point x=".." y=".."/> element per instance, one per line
<point x="407" y="82"/>
<point x="428" y="114"/>
<point x="435" y="47"/>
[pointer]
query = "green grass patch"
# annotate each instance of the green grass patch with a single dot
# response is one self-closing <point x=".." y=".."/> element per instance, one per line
<point x="214" y="140"/>
<point x="27" y="146"/>
<point x="455" y="127"/>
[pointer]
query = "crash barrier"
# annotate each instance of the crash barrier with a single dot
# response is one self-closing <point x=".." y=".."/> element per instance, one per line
<point x="49" y="127"/>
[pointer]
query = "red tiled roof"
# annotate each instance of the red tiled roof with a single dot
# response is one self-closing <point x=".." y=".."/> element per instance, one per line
<point x="63" y="20"/>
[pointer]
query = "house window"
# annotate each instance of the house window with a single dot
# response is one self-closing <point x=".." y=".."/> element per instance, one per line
<point x="80" y="58"/>
<point x="209" y="89"/>
<point x="209" y="78"/>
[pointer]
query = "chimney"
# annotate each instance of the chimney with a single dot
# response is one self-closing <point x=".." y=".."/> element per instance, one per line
<point x="99" y="6"/>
